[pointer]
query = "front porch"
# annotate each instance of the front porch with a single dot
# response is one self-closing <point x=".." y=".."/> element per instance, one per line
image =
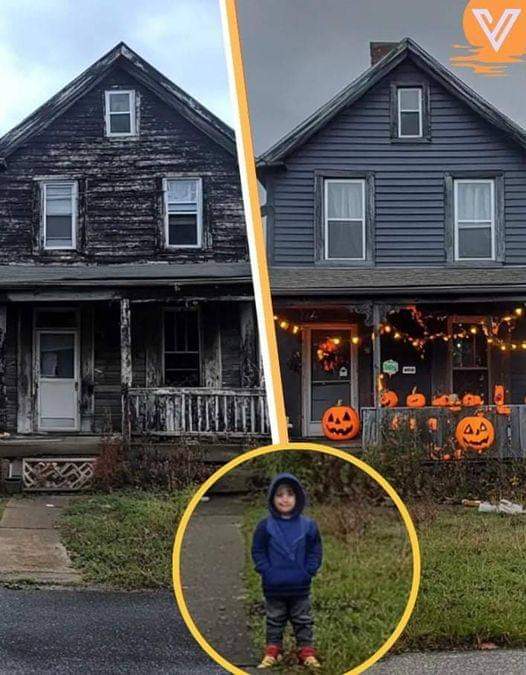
<point x="334" y="350"/>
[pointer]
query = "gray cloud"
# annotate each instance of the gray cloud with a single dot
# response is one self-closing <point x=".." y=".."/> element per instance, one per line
<point x="45" y="44"/>
<point x="299" y="53"/>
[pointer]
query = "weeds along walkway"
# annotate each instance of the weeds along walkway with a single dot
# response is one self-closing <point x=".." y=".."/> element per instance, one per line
<point x="212" y="564"/>
<point x="30" y="547"/>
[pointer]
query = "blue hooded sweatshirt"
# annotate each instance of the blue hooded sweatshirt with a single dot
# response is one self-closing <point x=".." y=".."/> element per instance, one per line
<point x="287" y="552"/>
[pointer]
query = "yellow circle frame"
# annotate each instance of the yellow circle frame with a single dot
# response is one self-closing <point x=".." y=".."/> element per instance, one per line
<point x="308" y="447"/>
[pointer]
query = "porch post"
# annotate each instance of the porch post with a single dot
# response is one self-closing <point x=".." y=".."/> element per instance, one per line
<point x="126" y="368"/>
<point x="377" y="353"/>
<point x="250" y="372"/>
<point x="3" y="390"/>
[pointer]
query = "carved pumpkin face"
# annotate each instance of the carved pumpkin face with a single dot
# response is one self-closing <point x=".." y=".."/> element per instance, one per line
<point x="415" y="399"/>
<point x="469" y="400"/>
<point x="441" y="401"/>
<point x="475" y="433"/>
<point x="340" y="423"/>
<point x="498" y="394"/>
<point x="388" y="399"/>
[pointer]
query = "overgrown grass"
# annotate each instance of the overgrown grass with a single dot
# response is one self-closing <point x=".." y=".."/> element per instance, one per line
<point x="124" y="540"/>
<point x="471" y="591"/>
<point x="360" y="592"/>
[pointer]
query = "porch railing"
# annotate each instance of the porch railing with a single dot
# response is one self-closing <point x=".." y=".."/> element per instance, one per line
<point x="510" y="430"/>
<point x="173" y="411"/>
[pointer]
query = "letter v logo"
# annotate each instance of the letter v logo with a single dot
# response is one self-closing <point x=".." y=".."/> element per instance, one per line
<point x="501" y="30"/>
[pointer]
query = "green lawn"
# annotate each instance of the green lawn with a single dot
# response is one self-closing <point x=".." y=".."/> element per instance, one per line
<point x="472" y="590"/>
<point x="124" y="540"/>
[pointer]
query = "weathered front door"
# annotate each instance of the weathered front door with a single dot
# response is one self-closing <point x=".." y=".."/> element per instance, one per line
<point x="329" y="371"/>
<point x="57" y="380"/>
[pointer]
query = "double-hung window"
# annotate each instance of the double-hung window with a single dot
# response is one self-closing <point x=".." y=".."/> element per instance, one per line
<point x="181" y="348"/>
<point x="183" y="212"/>
<point x="344" y="219"/>
<point x="59" y="214"/>
<point x="409" y="112"/>
<point x="120" y="113"/>
<point x="474" y="212"/>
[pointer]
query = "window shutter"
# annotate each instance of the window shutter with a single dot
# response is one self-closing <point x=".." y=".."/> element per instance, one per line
<point x="82" y="213"/>
<point x="160" y="236"/>
<point x="36" y="218"/>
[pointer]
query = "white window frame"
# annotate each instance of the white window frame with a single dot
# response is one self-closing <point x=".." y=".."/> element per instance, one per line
<point x="169" y="311"/>
<point x="132" y="113"/>
<point x="475" y="224"/>
<point x="74" y="206"/>
<point x="418" y="110"/>
<point x="198" y="212"/>
<point x="326" y="183"/>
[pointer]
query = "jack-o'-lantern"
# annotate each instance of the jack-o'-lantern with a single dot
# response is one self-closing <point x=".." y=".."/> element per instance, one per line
<point x="432" y="424"/>
<point x="340" y="422"/>
<point x="415" y="399"/>
<point x="388" y="399"/>
<point x="440" y="401"/>
<point x="503" y="410"/>
<point x="475" y="432"/>
<point x="499" y="394"/>
<point x="470" y="400"/>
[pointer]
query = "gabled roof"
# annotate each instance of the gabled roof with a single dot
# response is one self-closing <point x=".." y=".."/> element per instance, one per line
<point x="407" y="48"/>
<point x="126" y="58"/>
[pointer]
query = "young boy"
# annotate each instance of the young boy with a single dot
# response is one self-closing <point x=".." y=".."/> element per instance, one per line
<point x="287" y="552"/>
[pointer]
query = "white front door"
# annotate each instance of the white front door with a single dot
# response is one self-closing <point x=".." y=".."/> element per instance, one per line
<point x="57" y="381"/>
<point x="329" y="372"/>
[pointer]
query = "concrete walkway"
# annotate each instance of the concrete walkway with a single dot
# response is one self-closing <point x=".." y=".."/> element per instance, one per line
<point x="212" y="564"/>
<point x="498" y="662"/>
<point x="30" y="548"/>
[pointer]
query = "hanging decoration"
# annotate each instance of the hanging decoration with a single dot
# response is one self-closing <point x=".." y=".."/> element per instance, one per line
<point x="330" y="355"/>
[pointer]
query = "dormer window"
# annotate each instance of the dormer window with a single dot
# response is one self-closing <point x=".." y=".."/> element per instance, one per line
<point x="183" y="212"/>
<point x="409" y="112"/>
<point x="120" y="113"/>
<point x="59" y="215"/>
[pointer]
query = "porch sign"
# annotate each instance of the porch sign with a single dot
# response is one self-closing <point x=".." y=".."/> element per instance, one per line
<point x="390" y="367"/>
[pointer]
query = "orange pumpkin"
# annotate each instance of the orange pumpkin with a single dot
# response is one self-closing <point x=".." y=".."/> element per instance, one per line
<point x="440" y="401"/>
<point x="503" y="410"/>
<point x="415" y="399"/>
<point x="499" y="394"/>
<point x="470" y="400"/>
<point x="475" y="432"/>
<point x="340" y="422"/>
<point x="388" y="399"/>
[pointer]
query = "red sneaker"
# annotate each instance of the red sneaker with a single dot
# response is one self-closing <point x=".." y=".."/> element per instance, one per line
<point x="272" y="656"/>
<point x="307" y="658"/>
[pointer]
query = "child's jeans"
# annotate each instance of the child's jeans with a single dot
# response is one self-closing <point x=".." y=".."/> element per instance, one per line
<point x="296" y="610"/>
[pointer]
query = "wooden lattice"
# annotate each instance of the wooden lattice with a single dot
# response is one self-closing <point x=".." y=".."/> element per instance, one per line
<point x="57" y="473"/>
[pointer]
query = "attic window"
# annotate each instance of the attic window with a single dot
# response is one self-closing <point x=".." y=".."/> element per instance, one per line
<point x="409" y="112"/>
<point x="120" y="113"/>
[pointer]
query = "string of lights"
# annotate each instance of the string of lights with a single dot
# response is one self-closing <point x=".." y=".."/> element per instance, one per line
<point x="490" y="328"/>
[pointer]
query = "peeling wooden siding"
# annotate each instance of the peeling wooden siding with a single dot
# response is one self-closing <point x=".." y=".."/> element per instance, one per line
<point x="409" y="178"/>
<point x="120" y="204"/>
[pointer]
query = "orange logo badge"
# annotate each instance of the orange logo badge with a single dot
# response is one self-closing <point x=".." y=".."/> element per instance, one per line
<point x="496" y="33"/>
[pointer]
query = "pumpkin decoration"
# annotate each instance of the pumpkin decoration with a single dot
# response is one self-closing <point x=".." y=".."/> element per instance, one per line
<point x="388" y="399"/>
<point x="475" y="432"/>
<point x="498" y="394"/>
<point x="340" y="422"/>
<point x="432" y="424"/>
<point x="415" y="399"/>
<point x="503" y="410"/>
<point x="440" y="401"/>
<point x="471" y="400"/>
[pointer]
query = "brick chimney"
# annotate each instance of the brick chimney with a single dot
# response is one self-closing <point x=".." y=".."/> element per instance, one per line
<point x="380" y="49"/>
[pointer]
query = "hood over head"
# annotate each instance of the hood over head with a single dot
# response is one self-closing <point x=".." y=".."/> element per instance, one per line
<point x="301" y="497"/>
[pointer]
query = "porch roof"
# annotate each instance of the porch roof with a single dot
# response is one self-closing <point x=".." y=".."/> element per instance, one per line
<point x="127" y="274"/>
<point x="394" y="280"/>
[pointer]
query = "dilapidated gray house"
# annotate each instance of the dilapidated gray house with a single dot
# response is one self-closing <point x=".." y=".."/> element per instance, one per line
<point x="396" y="222"/>
<point x="126" y="302"/>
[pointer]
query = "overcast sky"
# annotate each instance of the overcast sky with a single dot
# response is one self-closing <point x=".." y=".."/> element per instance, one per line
<point x="299" y="53"/>
<point x="46" y="43"/>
